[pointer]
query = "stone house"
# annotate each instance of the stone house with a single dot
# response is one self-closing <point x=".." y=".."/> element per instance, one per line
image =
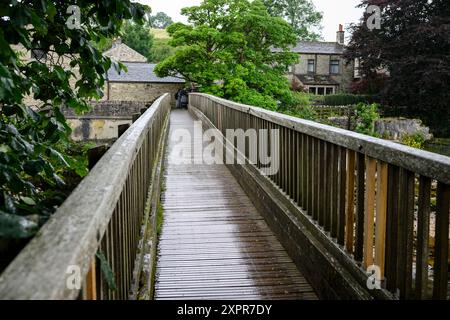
<point x="321" y="68"/>
<point x="139" y="83"/>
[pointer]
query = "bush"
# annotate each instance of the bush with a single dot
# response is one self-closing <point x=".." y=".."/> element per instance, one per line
<point x="347" y="99"/>
<point x="302" y="99"/>
<point x="366" y="115"/>
<point x="303" y="112"/>
<point x="415" y="141"/>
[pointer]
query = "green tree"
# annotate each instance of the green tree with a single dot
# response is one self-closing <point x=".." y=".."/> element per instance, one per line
<point x="161" y="50"/>
<point x="160" y="21"/>
<point x="32" y="140"/>
<point x="227" y="51"/>
<point x="302" y="15"/>
<point x="138" y="37"/>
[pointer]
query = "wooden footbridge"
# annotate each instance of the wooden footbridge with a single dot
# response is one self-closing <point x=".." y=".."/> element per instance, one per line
<point x="346" y="216"/>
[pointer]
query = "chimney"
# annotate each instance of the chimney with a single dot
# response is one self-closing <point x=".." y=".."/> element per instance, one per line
<point x="340" y="35"/>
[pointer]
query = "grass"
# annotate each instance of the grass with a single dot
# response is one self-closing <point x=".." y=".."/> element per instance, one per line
<point x="160" y="33"/>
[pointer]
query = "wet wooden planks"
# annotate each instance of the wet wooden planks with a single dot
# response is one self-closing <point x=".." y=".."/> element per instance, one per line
<point x="214" y="244"/>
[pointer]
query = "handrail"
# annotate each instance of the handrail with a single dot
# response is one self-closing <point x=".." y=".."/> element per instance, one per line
<point x="426" y="163"/>
<point x="371" y="199"/>
<point x="102" y="215"/>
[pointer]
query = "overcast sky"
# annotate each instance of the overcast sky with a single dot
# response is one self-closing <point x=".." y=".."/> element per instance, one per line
<point x="334" y="12"/>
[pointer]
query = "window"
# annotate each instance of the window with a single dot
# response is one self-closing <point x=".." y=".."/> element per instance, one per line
<point x="329" y="90"/>
<point x="311" y="66"/>
<point x="334" y="67"/>
<point x="321" y="91"/>
<point x="312" y="90"/>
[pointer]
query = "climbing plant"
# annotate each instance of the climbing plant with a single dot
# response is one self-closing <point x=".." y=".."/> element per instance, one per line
<point x="66" y="71"/>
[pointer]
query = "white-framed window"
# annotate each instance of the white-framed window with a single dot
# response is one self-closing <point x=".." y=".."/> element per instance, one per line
<point x="311" y="66"/>
<point x="335" y="67"/>
<point x="322" y="90"/>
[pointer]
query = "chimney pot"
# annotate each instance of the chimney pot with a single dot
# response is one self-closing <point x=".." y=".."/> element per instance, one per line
<point x="340" y="35"/>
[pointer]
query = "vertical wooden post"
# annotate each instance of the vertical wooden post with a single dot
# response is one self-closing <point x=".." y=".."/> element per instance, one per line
<point x="350" y="211"/>
<point x="381" y="209"/>
<point x="360" y="201"/>
<point x="441" y="242"/>
<point x="423" y="235"/>
<point x="369" y="210"/>
<point x="91" y="282"/>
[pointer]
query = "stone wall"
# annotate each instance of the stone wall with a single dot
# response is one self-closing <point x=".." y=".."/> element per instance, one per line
<point x="114" y="109"/>
<point x="92" y="129"/>
<point x="397" y="128"/>
<point x="101" y="124"/>
<point x="388" y="128"/>
<point x="143" y="92"/>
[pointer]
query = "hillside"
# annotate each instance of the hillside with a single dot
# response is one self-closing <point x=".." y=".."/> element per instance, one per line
<point x="160" y="33"/>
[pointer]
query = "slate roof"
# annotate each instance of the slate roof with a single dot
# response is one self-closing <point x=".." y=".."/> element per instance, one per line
<point x="313" y="47"/>
<point x="139" y="72"/>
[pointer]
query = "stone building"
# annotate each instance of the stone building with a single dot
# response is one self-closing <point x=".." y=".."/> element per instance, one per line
<point x="125" y="94"/>
<point x="139" y="82"/>
<point x="321" y="68"/>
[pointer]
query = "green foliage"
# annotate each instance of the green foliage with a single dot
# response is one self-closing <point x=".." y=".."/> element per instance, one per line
<point x="366" y="115"/>
<point x="138" y="37"/>
<point x="161" y="50"/>
<point x="302" y="99"/>
<point x="34" y="143"/>
<point x="160" y="21"/>
<point x="413" y="46"/>
<point x="317" y="99"/>
<point x="106" y="270"/>
<point x="305" y="112"/>
<point x="346" y="99"/>
<point x="226" y="50"/>
<point x="415" y="141"/>
<point x="301" y="15"/>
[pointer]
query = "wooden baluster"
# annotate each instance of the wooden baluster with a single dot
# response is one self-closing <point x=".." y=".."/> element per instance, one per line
<point x="300" y="159"/>
<point x="328" y="182"/>
<point x="304" y="182"/>
<point x="423" y="234"/>
<point x="315" y="179"/>
<point x="405" y="233"/>
<point x="381" y="209"/>
<point x="360" y="197"/>
<point x="391" y="227"/>
<point x="91" y="282"/>
<point x="293" y="172"/>
<point x="319" y="204"/>
<point x="440" y="285"/>
<point x="369" y="209"/>
<point x="342" y="194"/>
<point x="350" y="208"/>
<point x="311" y="169"/>
<point x="334" y="206"/>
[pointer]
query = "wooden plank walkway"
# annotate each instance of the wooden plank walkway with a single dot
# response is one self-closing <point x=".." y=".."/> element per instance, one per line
<point x="214" y="244"/>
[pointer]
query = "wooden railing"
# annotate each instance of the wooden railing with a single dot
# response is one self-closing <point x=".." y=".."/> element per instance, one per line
<point x="92" y="239"/>
<point x="381" y="203"/>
